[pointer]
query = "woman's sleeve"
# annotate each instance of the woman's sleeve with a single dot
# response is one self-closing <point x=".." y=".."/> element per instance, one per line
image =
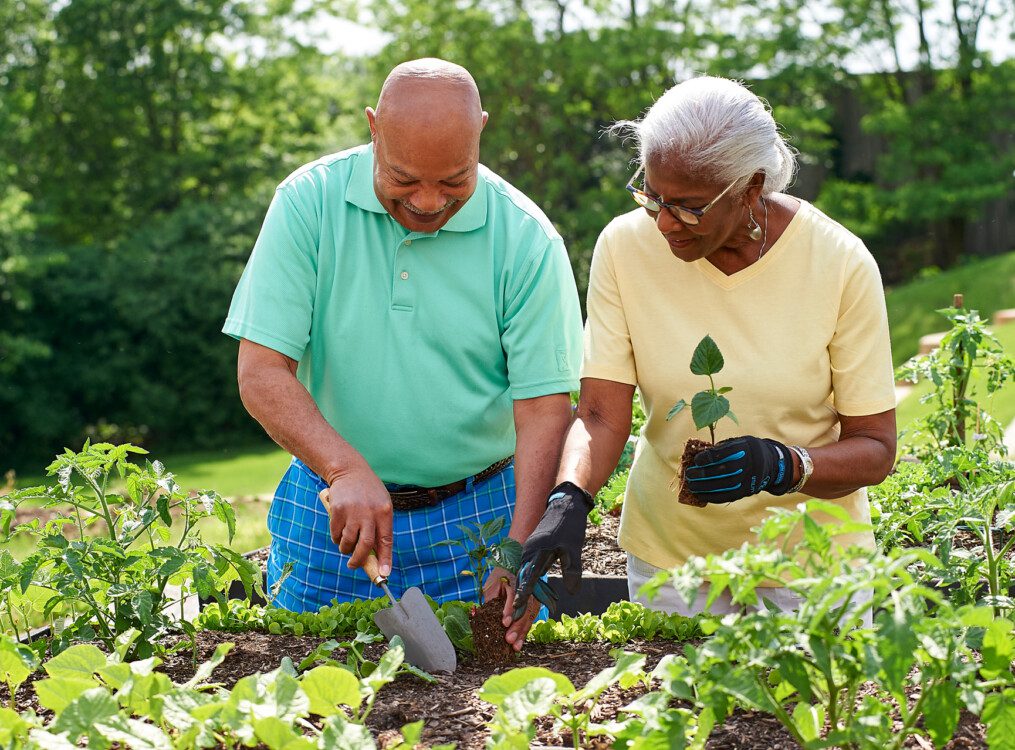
<point x="608" y="351"/>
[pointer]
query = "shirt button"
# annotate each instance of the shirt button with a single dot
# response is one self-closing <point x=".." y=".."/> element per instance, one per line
<point x="404" y="275"/>
<point x="408" y="242"/>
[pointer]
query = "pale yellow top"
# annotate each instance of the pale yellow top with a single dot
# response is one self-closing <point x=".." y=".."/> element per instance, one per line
<point x="804" y="334"/>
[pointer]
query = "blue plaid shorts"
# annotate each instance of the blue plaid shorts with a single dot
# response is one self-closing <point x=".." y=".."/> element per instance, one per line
<point x="300" y="535"/>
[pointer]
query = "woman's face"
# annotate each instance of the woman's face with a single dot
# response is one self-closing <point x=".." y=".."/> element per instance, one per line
<point x="717" y="228"/>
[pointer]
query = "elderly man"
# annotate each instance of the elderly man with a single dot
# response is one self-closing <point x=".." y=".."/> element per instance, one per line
<point x="407" y="321"/>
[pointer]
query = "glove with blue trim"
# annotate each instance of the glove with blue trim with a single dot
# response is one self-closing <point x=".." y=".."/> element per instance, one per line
<point x="740" y="467"/>
<point x="560" y="535"/>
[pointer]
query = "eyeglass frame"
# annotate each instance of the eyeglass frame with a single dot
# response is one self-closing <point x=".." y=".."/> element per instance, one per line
<point x="697" y="213"/>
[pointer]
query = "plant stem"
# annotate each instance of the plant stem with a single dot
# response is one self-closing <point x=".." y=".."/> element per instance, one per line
<point x="780" y="713"/>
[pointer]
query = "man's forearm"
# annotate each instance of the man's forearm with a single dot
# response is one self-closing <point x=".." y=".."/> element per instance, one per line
<point x="540" y="425"/>
<point x="287" y="412"/>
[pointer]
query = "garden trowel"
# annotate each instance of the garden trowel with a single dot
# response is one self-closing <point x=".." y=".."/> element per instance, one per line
<point x="427" y="646"/>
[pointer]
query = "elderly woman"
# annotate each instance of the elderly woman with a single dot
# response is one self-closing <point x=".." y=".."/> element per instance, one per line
<point x="793" y="300"/>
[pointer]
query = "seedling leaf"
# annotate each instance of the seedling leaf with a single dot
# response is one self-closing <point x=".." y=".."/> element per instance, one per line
<point x="707" y="359"/>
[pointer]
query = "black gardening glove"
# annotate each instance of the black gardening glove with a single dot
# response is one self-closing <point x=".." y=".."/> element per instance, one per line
<point x="740" y="467"/>
<point x="560" y="535"/>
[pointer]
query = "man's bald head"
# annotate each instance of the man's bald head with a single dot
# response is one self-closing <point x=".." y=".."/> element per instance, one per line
<point x="425" y="132"/>
<point x="431" y="92"/>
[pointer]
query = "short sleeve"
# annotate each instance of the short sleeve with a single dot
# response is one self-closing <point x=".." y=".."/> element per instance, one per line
<point x="542" y="326"/>
<point x="860" y="353"/>
<point x="274" y="301"/>
<point x="608" y="351"/>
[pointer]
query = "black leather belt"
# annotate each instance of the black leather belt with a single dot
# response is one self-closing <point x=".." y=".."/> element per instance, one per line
<point x="411" y="498"/>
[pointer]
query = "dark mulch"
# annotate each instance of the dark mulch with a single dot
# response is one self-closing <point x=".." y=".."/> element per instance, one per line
<point x="601" y="555"/>
<point x="453" y="712"/>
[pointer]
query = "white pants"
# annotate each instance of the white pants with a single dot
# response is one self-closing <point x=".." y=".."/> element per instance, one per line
<point x="668" y="600"/>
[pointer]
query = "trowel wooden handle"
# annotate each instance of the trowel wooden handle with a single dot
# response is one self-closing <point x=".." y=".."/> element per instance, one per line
<point x="370" y="567"/>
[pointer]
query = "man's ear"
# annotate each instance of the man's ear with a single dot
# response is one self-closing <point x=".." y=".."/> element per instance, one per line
<point x="372" y="122"/>
<point x="486" y="116"/>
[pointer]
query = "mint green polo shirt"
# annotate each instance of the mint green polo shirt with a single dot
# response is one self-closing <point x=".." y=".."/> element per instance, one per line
<point x="414" y="345"/>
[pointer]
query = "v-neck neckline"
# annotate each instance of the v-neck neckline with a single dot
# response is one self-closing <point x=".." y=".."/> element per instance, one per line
<point x="744" y="275"/>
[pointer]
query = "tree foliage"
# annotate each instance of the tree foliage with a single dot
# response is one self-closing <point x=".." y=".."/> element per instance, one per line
<point x="140" y="142"/>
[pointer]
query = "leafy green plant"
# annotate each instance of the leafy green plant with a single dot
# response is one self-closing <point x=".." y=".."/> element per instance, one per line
<point x="707" y="407"/>
<point x="108" y="564"/>
<point x="522" y="695"/>
<point x="620" y="623"/>
<point x="967" y="349"/>
<point x="806" y="666"/>
<point x="610" y="498"/>
<point x="101" y="701"/>
<point x="969" y="529"/>
<point x="356" y="660"/>
<point x="484" y="553"/>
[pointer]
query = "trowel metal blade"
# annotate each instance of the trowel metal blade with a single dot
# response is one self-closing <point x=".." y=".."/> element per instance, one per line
<point x="427" y="646"/>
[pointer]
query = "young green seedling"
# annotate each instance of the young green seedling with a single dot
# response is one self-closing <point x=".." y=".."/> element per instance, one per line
<point x="707" y="408"/>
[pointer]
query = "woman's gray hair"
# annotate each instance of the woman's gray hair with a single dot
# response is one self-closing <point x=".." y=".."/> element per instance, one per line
<point x="714" y="128"/>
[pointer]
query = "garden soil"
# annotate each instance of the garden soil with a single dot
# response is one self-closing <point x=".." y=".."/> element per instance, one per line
<point x="452" y="712"/>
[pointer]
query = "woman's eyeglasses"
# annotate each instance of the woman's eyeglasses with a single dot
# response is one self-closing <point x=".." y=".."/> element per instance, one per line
<point x="683" y="214"/>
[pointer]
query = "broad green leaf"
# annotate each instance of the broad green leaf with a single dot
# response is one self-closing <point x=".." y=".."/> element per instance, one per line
<point x="82" y="661"/>
<point x="999" y="716"/>
<point x="57" y="693"/>
<point x="11" y="727"/>
<point x="328" y="687"/>
<point x="998" y="648"/>
<point x="134" y="734"/>
<point x="43" y="740"/>
<point x="677" y="408"/>
<point x="341" y="734"/>
<point x="508" y="554"/>
<point x="708" y="408"/>
<point x="162" y="505"/>
<point x="279" y="735"/>
<point x="792" y="669"/>
<point x="142" y="604"/>
<point x="15" y="666"/>
<point x="500" y="686"/>
<point x="79" y="717"/>
<point x="707" y="359"/>
<point x="224" y="512"/>
<point x="412" y="734"/>
<point x="627" y="663"/>
<point x="809" y="720"/>
<point x="941" y="712"/>
<point x="534" y="699"/>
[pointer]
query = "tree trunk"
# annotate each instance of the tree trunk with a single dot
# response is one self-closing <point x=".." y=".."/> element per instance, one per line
<point x="949" y="240"/>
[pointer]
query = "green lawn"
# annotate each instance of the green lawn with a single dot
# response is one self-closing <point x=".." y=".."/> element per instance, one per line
<point x="244" y="474"/>
<point x="232" y="472"/>
<point x="987" y="285"/>
<point x="1001" y="406"/>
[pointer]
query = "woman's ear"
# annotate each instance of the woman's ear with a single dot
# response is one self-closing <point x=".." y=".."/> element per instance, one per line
<point x="754" y="187"/>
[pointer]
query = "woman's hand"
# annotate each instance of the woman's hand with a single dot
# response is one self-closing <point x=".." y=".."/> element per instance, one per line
<point x="740" y="467"/>
<point x="560" y="535"/>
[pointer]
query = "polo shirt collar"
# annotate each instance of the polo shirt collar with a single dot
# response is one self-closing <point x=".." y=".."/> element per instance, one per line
<point x="360" y="192"/>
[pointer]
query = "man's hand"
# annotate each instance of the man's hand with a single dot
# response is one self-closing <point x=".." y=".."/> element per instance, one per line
<point x="740" y="467"/>
<point x="560" y="535"/>
<point x="501" y="582"/>
<point x="360" y="513"/>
